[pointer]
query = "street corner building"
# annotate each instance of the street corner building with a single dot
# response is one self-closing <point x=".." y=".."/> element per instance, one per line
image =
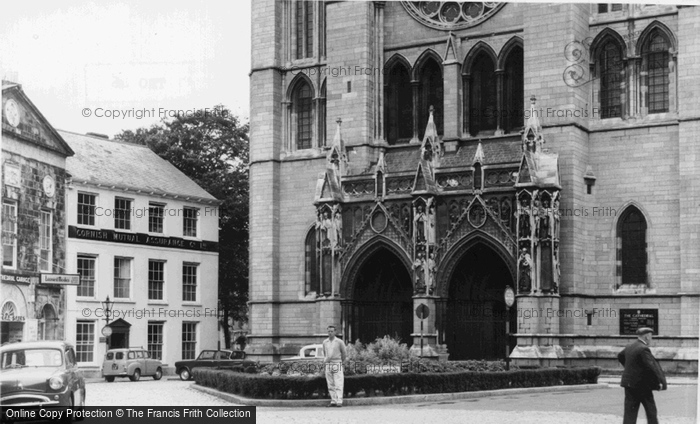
<point x="407" y="153"/>
<point x="33" y="280"/>
<point x="143" y="238"/>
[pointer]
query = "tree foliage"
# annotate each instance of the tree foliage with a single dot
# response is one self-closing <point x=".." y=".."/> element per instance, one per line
<point x="211" y="147"/>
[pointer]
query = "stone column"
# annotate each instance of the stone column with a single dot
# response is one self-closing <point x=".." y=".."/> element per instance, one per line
<point x="415" y="86"/>
<point x="451" y="103"/>
<point x="429" y="333"/>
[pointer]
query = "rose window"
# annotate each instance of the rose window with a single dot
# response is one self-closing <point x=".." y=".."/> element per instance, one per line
<point x="450" y="15"/>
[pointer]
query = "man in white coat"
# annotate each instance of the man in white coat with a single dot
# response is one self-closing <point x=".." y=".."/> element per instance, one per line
<point x="334" y="354"/>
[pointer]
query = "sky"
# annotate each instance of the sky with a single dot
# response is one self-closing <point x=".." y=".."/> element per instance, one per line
<point x="98" y="66"/>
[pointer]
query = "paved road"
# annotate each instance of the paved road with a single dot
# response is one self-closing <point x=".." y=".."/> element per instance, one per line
<point x="598" y="406"/>
<point x="147" y="392"/>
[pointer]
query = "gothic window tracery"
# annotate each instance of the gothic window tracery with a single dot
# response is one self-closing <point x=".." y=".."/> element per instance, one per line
<point x="451" y="15"/>
<point x="655" y="61"/>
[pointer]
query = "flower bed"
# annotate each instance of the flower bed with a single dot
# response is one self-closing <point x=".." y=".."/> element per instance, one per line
<point x="264" y="386"/>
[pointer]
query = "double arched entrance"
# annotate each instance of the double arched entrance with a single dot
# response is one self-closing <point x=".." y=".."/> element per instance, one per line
<point x="470" y="312"/>
<point x="381" y="294"/>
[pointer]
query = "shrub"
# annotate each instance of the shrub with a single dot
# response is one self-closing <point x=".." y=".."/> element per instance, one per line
<point x="263" y="386"/>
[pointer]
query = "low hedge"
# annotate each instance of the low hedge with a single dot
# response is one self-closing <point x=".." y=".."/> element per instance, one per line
<point x="415" y="365"/>
<point x="263" y="386"/>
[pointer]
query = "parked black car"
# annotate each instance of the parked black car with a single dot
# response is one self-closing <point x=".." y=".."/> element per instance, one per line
<point x="40" y="374"/>
<point x="212" y="359"/>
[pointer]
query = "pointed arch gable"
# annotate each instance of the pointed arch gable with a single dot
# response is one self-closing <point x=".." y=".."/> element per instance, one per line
<point x="645" y="36"/>
<point x="299" y="79"/>
<point x="632" y="254"/>
<point x="398" y="59"/>
<point x="348" y="281"/>
<point x="622" y="211"/>
<point x="449" y="262"/>
<point x="600" y="40"/>
<point x="510" y="45"/>
<point x="480" y="47"/>
<point x="422" y="60"/>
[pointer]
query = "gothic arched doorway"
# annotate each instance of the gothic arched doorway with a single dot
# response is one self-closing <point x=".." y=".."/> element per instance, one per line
<point x="475" y="327"/>
<point x="382" y="300"/>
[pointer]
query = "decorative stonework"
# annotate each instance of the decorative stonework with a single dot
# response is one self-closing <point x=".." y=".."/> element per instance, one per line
<point x="451" y="15"/>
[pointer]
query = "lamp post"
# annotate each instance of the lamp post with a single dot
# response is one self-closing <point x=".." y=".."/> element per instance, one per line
<point x="107" y="330"/>
<point x="509" y="297"/>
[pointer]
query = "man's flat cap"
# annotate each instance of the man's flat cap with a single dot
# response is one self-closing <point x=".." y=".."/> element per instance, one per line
<point x="644" y="330"/>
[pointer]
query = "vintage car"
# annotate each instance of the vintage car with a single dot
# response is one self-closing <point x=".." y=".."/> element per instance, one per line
<point x="132" y="362"/>
<point x="40" y="374"/>
<point x="212" y="359"/>
<point x="307" y="353"/>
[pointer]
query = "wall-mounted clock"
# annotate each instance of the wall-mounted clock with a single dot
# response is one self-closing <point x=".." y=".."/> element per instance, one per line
<point x="49" y="186"/>
<point x="12" y="112"/>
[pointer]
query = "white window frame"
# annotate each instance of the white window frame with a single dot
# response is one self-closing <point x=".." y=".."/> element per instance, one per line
<point x="45" y="241"/>
<point x="127" y="217"/>
<point x="130" y="277"/>
<point x="91" y="343"/>
<point x="162" y="217"/>
<point x="196" y="222"/>
<point x="94" y="212"/>
<point x="196" y="267"/>
<point x="10" y="204"/>
<point x="148" y="288"/>
<point x="87" y="256"/>
<point x="195" y="341"/>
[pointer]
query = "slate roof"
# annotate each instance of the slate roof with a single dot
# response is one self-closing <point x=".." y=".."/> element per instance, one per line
<point x="126" y="165"/>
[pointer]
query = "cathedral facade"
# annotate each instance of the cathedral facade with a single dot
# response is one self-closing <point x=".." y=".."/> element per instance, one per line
<point x="452" y="154"/>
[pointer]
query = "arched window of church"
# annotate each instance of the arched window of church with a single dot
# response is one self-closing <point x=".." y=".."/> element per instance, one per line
<point x="304" y="28"/>
<point x="632" y="246"/>
<point x="513" y="95"/>
<point x="302" y="104"/>
<point x="398" y="104"/>
<point x="482" y="95"/>
<point x="655" y="61"/>
<point x="311" y="266"/>
<point x="431" y="94"/>
<point x="611" y="75"/>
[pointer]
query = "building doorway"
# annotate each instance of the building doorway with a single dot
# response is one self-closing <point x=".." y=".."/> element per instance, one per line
<point x="382" y="300"/>
<point x="120" y="334"/>
<point x="48" y="323"/>
<point x="475" y="327"/>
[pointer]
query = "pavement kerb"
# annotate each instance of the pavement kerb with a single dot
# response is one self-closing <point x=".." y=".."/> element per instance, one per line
<point x="391" y="400"/>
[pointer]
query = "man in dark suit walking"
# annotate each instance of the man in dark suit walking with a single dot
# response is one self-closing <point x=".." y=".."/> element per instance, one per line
<point x="642" y="374"/>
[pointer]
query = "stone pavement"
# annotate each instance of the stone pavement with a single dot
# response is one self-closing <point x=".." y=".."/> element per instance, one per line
<point x="435" y="414"/>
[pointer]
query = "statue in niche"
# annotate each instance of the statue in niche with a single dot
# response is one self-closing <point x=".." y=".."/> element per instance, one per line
<point x="419" y="222"/>
<point x="557" y="217"/>
<point x="525" y="268"/>
<point x="524" y="228"/>
<point x="543" y="221"/>
<point x="338" y="227"/>
<point x="419" y="268"/>
<point x="505" y="213"/>
<point x="431" y="271"/>
<point x="431" y="223"/>
<point x="325" y="227"/>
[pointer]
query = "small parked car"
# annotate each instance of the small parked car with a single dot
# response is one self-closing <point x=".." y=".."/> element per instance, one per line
<point x="307" y="353"/>
<point x="132" y="362"/>
<point x="212" y="359"/>
<point x="40" y="374"/>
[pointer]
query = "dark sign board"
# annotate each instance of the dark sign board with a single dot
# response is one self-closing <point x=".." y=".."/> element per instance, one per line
<point x="632" y="319"/>
<point x="140" y="238"/>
